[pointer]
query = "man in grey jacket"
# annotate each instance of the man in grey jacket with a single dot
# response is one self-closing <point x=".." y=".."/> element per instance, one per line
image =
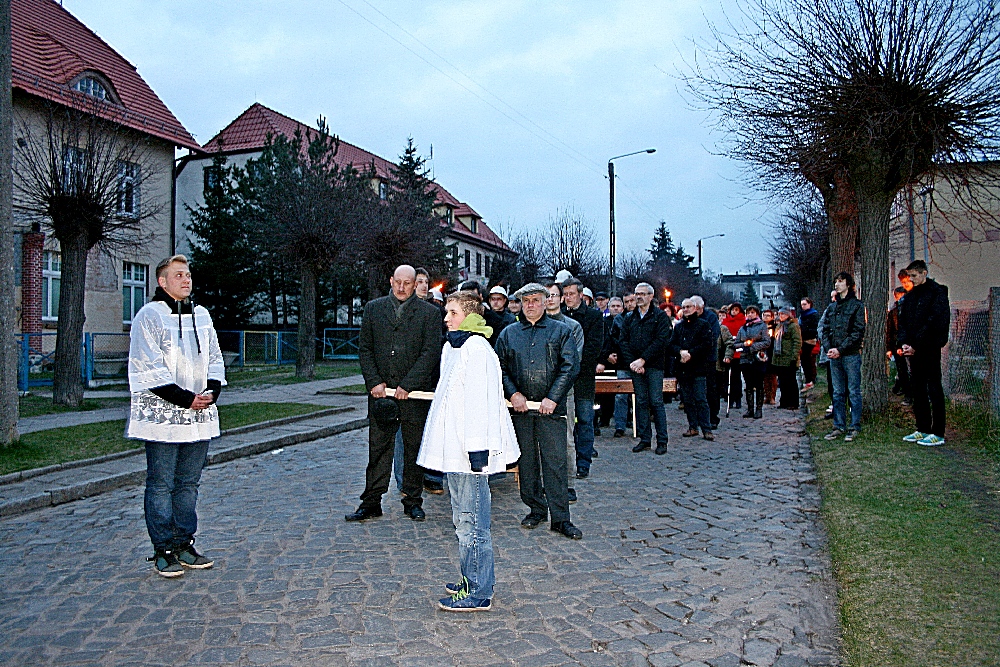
<point x="540" y="362"/>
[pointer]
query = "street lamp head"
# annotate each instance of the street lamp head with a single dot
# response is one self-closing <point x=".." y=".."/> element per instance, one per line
<point x="650" y="150"/>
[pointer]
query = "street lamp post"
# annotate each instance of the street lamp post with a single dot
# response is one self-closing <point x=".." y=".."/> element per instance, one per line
<point x="611" y="180"/>
<point x="701" y="274"/>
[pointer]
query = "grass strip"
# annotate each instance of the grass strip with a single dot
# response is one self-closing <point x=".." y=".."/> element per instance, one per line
<point x="73" y="443"/>
<point x="915" y="544"/>
<point x="286" y="374"/>
<point x="35" y="406"/>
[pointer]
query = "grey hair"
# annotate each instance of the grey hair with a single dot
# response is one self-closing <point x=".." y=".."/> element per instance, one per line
<point x="698" y="301"/>
<point x="646" y="285"/>
<point x="689" y="302"/>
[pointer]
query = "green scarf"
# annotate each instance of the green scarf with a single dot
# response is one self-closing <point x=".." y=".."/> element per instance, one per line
<point x="476" y="324"/>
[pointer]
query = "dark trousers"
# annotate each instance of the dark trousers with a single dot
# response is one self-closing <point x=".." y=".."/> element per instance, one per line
<point x="902" y="374"/>
<point x="544" y="481"/>
<point x="693" y="389"/>
<point x="712" y="396"/>
<point x="753" y="376"/>
<point x="808" y="362"/>
<point x="381" y="441"/>
<point x="928" y="395"/>
<point x="735" y="384"/>
<point x="788" y="386"/>
<point x="829" y="380"/>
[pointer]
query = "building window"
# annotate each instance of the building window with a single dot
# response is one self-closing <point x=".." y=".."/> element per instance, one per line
<point x="128" y="189"/>
<point x="88" y="85"/>
<point x="383" y="191"/>
<point x="479" y="264"/>
<point x="449" y="216"/>
<point x="133" y="290"/>
<point x="487" y="265"/>
<point x="74" y="170"/>
<point x="474" y="225"/>
<point x="468" y="259"/>
<point x="211" y="175"/>
<point x="51" y="279"/>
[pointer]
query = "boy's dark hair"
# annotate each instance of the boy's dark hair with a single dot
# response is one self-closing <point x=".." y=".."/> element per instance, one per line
<point x="472" y="285"/>
<point x="550" y="283"/>
<point x="573" y="281"/>
<point x="844" y="275"/>
<point x="903" y="274"/>
<point x="899" y="290"/>
<point x="807" y="300"/>
<point x="917" y="265"/>
<point x="421" y="271"/>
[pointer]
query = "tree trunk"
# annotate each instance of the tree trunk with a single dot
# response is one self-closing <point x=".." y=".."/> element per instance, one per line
<point x="842" y="211"/>
<point x="874" y="210"/>
<point x="305" y="364"/>
<point x="8" y="317"/>
<point x="67" y="384"/>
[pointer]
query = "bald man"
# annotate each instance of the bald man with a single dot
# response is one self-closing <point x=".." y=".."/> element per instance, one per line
<point x="399" y="348"/>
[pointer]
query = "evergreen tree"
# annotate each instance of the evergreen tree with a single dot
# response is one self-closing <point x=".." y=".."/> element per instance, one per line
<point x="670" y="266"/>
<point x="223" y="257"/>
<point x="749" y="296"/>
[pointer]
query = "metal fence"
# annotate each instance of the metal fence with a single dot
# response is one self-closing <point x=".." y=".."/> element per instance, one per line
<point x="37" y="355"/>
<point x="970" y="363"/>
<point x="341" y="342"/>
<point x="258" y="348"/>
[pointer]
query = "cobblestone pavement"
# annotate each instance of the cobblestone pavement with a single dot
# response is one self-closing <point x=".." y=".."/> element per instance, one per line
<point x="709" y="555"/>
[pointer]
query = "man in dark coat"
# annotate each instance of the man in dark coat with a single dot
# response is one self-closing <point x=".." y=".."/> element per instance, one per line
<point x="399" y="348"/>
<point x="592" y="323"/>
<point x="692" y="346"/>
<point x="644" y="337"/>
<point x="843" y="336"/>
<point x="924" y="321"/>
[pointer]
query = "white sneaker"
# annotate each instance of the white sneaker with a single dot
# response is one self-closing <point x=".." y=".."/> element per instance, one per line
<point x="931" y="441"/>
<point x="916" y="436"/>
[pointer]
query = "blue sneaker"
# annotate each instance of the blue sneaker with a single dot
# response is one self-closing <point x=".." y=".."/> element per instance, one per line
<point x="916" y="436"/>
<point x="931" y="441"/>
<point x="452" y="589"/>
<point x="461" y="601"/>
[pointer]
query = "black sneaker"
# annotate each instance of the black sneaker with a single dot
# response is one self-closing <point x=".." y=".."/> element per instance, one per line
<point x="532" y="520"/>
<point x="571" y="495"/>
<point x="433" y="487"/>
<point x="582" y="473"/>
<point x="619" y="433"/>
<point x="661" y="449"/>
<point x="165" y="563"/>
<point x="188" y="557"/>
<point x="452" y="589"/>
<point x="641" y="447"/>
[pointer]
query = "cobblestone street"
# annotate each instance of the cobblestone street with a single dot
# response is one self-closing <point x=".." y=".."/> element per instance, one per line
<point x="709" y="555"/>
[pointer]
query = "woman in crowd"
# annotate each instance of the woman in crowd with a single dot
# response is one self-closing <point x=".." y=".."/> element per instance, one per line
<point x="733" y="321"/>
<point x="770" y="373"/>
<point x="786" y="348"/>
<point x="469" y="435"/>
<point x="752" y="342"/>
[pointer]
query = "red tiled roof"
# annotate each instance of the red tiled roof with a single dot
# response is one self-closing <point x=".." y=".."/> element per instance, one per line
<point x="250" y="130"/>
<point x="51" y="49"/>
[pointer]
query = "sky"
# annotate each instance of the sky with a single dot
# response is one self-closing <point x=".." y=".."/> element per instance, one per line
<point x="524" y="102"/>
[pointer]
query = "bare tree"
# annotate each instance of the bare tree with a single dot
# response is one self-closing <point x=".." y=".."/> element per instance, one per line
<point x="800" y="249"/>
<point x="8" y="351"/>
<point x="81" y="178"/>
<point x="568" y="243"/>
<point x="876" y="92"/>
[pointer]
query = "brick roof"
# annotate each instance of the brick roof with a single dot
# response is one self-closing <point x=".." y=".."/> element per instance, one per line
<point x="51" y="49"/>
<point x="250" y="130"/>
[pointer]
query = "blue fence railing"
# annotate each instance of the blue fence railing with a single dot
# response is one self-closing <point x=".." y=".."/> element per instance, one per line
<point x="341" y="342"/>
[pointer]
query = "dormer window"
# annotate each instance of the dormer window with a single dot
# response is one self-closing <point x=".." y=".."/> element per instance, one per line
<point x="474" y="225"/>
<point x="96" y="86"/>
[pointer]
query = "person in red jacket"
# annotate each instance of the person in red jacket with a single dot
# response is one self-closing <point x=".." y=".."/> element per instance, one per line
<point x="733" y="322"/>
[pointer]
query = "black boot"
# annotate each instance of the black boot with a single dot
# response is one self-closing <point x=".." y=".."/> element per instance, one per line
<point x="759" y="412"/>
<point x="749" y="413"/>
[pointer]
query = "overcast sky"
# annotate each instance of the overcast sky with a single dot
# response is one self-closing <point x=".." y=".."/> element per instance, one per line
<point x="524" y="102"/>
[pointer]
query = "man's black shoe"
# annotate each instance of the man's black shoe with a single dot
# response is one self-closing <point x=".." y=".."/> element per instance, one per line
<point x="571" y="495"/>
<point x="532" y="520"/>
<point x="415" y="512"/>
<point x="642" y="446"/>
<point x="619" y="433"/>
<point x="364" y="513"/>
<point x="597" y="432"/>
<point x="568" y="529"/>
<point x="595" y="455"/>
<point x="433" y="487"/>
<point x="661" y="449"/>
<point x="582" y="474"/>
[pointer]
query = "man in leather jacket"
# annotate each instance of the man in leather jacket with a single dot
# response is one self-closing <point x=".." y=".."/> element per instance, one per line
<point x="843" y="335"/>
<point x="540" y="362"/>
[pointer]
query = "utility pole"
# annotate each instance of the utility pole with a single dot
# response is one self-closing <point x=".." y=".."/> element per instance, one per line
<point x="611" y="179"/>
<point x="701" y="275"/>
<point x="8" y="321"/>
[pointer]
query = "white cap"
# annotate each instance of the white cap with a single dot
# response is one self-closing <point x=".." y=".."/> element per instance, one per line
<point x="563" y="275"/>
<point x="587" y="292"/>
<point x="498" y="289"/>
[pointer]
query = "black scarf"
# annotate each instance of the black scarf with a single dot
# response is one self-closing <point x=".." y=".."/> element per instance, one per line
<point x="179" y="307"/>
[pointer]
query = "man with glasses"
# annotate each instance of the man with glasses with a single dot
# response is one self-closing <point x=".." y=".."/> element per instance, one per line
<point x="643" y="341"/>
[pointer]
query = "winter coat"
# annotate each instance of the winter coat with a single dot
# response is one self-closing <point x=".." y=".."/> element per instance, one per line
<point x="403" y="352"/>
<point x="924" y="317"/>
<point x="592" y="324"/>
<point x="734" y="323"/>
<point x="789" y="336"/>
<point x="710" y="316"/>
<point x="168" y="346"/>
<point x="469" y="412"/>
<point x="693" y="334"/>
<point x="498" y="322"/>
<point x="645" y="337"/>
<point x="726" y="349"/>
<point x="844" y="328"/>
<point x="808" y="321"/>
<point x="539" y="360"/>
<point x="755" y="331"/>
<point x="611" y="332"/>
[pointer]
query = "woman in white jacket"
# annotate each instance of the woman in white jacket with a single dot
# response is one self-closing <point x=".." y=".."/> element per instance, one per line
<point x="469" y="435"/>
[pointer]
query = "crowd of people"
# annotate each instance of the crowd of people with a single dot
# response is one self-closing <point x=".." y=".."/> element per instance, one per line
<point x="466" y="386"/>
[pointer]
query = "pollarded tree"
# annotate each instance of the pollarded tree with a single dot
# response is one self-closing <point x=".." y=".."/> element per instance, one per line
<point x="82" y="178"/>
<point x="881" y="90"/>
<point x="568" y="243"/>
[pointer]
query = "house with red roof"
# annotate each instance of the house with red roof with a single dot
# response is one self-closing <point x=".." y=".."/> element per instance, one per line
<point x="58" y="62"/>
<point x="474" y="244"/>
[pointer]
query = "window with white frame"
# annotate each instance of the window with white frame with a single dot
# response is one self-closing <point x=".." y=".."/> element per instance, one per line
<point x="74" y="169"/>
<point x="383" y="191"/>
<point x="133" y="290"/>
<point x="89" y="85"/>
<point x="128" y="189"/>
<point x="51" y="279"/>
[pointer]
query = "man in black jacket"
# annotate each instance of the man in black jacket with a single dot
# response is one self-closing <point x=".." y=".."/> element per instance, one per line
<point x="644" y="337"/>
<point x="399" y="347"/>
<point x="924" y="320"/>
<point x="540" y="362"/>
<point x="691" y="347"/>
<point x="843" y="334"/>
<point x="592" y="323"/>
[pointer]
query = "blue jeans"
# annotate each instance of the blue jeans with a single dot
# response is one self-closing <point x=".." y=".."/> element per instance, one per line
<point x="173" y="471"/>
<point x="621" y="404"/>
<point x="846" y="375"/>
<point x="694" y="391"/>
<point x="470" y="512"/>
<point x="649" y="408"/>
<point x="583" y="435"/>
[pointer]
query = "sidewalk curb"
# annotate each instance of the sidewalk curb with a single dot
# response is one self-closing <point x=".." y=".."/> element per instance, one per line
<point x="100" y="485"/>
<point x="20" y="476"/>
